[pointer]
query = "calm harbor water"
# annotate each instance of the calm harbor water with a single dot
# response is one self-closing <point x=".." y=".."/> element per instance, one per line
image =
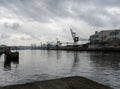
<point x="39" y="65"/>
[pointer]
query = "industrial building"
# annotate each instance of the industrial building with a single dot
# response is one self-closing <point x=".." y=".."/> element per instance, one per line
<point x="106" y="37"/>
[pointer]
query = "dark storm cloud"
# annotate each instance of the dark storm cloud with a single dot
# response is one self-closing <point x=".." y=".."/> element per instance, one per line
<point x="93" y="12"/>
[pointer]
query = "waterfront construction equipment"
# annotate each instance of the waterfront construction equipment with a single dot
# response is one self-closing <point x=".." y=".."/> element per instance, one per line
<point x="75" y="37"/>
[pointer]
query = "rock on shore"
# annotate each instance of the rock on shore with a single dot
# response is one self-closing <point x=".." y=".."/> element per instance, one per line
<point x="63" y="83"/>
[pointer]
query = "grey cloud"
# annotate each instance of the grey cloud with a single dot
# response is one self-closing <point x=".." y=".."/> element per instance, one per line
<point x="13" y="26"/>
<point x="109" y="3"/>
<point x="24" y="38"/>
<point x="44" y="10"/>
<point x="4" y="36"/>
<point x="38" y="10"/>
<point x="91" y="10"/>
<point x="6" y="25"/>
<point x="99" y="3"/>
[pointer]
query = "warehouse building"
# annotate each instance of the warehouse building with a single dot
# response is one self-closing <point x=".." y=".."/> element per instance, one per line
<point x="106" y="37"/>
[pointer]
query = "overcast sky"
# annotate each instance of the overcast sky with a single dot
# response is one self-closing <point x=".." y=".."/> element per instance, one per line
<point x="23" y="22"/>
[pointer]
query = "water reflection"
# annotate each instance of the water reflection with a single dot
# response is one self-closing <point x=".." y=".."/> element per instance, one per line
<point x="75" y="61"/>
<point x="8" y="61"/>
<point x="51" y="54"/>
<point x="106" y="68"/>
<point x="58" y="54"/>
<point x="106" y="60"/>
<point x="35" y="65"/>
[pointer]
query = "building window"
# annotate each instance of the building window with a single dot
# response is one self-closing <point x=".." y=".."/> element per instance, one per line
<point x="94" y="36"/>
<point x="114" y="33"/>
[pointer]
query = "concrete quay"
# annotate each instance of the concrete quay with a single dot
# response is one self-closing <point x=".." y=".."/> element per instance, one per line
<point x="63" y="83"/>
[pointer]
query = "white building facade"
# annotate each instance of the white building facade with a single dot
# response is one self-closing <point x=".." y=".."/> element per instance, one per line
<point x="106" y="37"/>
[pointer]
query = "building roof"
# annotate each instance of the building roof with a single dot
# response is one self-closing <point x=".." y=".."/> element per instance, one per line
<point x="111" y="30"/>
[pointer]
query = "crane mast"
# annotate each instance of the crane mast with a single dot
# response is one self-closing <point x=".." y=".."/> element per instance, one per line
<point x="75" y="38"/>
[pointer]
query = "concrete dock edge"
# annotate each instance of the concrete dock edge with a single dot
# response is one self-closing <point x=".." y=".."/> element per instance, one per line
<point x="75" y="82"/>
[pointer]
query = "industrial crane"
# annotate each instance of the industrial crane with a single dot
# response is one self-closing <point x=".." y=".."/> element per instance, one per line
<point x="75" y="38"/>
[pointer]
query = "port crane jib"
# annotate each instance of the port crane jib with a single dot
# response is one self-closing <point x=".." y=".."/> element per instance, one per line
<point x="75" y="38"/>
